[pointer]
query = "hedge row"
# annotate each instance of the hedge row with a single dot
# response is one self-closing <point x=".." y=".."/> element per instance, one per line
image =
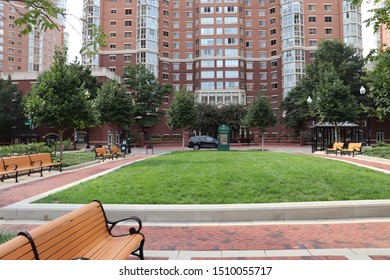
<point x="25" y="149"/>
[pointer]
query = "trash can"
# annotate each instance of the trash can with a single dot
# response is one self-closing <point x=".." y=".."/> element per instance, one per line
<point x="224" y="138"/>
<point x="124" y="146"/>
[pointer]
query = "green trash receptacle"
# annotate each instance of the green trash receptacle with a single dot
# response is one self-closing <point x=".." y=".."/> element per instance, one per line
<point x="124" y="146"/>
<point x="224" y="138"/>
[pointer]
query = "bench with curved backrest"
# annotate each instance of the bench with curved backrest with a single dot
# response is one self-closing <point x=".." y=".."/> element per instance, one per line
<point x="337" y="146"/>
<point x="44" y="160"/>
<point x="101" y="153"/>
<point x="18" y="248"/>
<point x="20" y="164"/>
<point x="115" y="152"/>
<point x="353" y="148"/>
<point x="7" y="171"/>
<point x="84" y="233"/>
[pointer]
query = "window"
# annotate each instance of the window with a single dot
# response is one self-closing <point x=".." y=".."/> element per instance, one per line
<point x="328" y="31"/>
<point x="312" y="19"/>
<point x="113" y="22"/>
<point x="312" y="31"/>
<point x="112" y="57"/>
<point x="127" y="34"/>
<point x="128" y="11"/>
<point x="327" y="7"/>
<point x="112" y="46"/>
<point x="113" y="11"/>
<point x="328" y="19"/>
<point x="127" y="22"/>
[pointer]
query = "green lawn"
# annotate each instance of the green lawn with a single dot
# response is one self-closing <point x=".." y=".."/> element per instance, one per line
<point x="212" y="177"/>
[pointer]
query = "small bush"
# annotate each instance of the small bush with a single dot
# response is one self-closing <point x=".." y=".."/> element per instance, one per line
<point x="24" y="149"/>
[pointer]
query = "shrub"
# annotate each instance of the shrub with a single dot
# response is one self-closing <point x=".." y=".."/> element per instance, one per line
<point x="24" y="149"/>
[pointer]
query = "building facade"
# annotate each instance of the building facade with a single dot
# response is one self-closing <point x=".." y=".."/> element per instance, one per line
<point x="26" y="53"/>
<point x="224" y="51"/>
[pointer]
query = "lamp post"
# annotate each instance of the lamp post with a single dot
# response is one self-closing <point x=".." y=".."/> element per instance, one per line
<point x="363" y="93"/>
<point x="313" y="145"/>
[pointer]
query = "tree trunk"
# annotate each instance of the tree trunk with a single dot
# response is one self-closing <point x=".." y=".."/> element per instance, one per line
<point x="61" y="140"/>
<point x="183" y="144"/>
<point x="262" y="141"/>
<point x="336" y="136"/>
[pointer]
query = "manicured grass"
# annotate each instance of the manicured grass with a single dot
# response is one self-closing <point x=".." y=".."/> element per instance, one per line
<point x="212" y="177"/>
<point x="5" y="236"/>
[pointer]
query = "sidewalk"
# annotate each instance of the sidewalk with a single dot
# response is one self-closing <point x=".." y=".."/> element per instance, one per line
<point x="312" y="239"/>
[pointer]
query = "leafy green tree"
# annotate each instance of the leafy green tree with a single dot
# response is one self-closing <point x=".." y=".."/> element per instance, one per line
<point x="296" y="107"/>
<point x="260" y="115"/>
<point x="60" y="98"/>
<point x="333" y="101"/>
<point x="181" y="112"/>
<point x="115" y="105"/>
<point x="336" y="67"/>
<point x="207" y="119"/>
<point x="11" y="110"/>
<point x="233" y="116"/>
<point x="148" y="94"/>
<point x="378" y="97"/>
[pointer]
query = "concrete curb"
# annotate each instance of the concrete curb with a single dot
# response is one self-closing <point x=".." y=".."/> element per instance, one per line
<point x="213" y="213"/>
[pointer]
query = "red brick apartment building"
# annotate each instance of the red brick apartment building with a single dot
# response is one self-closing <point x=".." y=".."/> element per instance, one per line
<point x="224" y="51"/>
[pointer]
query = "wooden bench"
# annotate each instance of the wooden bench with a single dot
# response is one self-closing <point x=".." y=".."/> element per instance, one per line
<point x="101" y="153"/>
<point x="44" y="160"/>
<point x="337" y="146"/>
<point x="6" y="171"/>
<point x="84" y="233"/>
<point x="353" y="148"/>
<point x="114" y="151"/>
<point x="21" y="164"/>
<point x="18" y="248"/>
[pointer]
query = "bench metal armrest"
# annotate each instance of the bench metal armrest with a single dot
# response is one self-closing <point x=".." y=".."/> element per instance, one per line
<point x="132" y="230"/>
<point x="38" y="161"/>
<point x="15" y="167"/>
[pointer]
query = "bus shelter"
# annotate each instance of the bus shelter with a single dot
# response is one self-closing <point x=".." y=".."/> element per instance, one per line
<point x="323" y="135"/>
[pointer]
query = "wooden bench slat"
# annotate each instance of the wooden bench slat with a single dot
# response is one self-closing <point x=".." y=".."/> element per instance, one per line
<point x="17" y="248"/>
<point x="82" y="233"/>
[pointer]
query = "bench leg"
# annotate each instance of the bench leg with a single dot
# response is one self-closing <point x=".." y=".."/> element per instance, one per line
<point x="140" y="250"/>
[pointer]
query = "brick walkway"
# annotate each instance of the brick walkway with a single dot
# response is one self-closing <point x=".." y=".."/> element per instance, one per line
<point x="360" y="239"/>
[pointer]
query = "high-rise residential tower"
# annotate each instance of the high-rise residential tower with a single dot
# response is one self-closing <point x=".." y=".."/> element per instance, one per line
<point x="26" y="53"/>
<point x="224" y="51"/>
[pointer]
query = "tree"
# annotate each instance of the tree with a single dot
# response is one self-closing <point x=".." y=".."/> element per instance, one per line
<point x="332" y="81"/>
<point x="60" y="97"/>
<point x="181" y="112"/>
<point x="378" y="97"/>
<point x="10" y="104"/>
<point x="207" y="118"/>
<point x="260" y="115"/>
<point x="333" y="101"/>
<point x="233" y="116"/>
<point x="115" y="105"/>
<point x="148" y="94"/>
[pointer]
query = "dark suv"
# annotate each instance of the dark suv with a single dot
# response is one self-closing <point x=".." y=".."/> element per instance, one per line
<point x="202" y="142"/>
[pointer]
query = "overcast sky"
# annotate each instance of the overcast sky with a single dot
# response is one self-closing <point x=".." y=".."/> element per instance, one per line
<point x="74" y="27"/>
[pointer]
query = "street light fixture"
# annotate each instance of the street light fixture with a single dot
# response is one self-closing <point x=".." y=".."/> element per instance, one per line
<point x="363" y="93"/>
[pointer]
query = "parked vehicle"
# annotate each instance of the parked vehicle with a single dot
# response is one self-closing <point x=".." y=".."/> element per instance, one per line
<point x="202" y="142"/>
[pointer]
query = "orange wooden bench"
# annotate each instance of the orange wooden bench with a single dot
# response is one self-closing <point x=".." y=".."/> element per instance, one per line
<point x="18" y="248"/>
<point x="6" y="171"/>
<point x="337" y="146"/>
<point x="102" y="154"/>
<point x="84" y="233"/>
<point x="353" y="148"/>
<point x="114" y="151"/>
<point x="44" y="160"/>
<point x="21" y="164"/>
